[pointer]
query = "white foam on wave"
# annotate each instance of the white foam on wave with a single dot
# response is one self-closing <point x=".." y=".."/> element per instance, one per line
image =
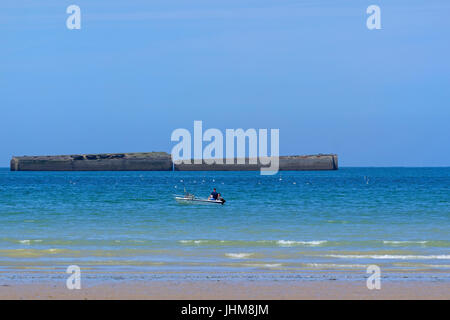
<point x="29" y="241"/>
<point x="388" y="256"/>
<point x="238" y="255"/>
<point x="55" y="250"/>
<point x="332" y="265"/>
<point x="289" y="243"/>
<point x="266" y="265"/>
<point x="193" y="241"/>
<point x="403" y="242"/>
<point x="281" y="243"/>
<point x="272" y="265"/>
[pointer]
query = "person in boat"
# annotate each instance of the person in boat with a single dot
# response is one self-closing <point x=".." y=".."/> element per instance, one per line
<point x="213" y="195"/>
<point x="219" y="198"/>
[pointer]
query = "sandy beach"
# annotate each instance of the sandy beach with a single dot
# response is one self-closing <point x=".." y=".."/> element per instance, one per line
<point x="217" y="290"/>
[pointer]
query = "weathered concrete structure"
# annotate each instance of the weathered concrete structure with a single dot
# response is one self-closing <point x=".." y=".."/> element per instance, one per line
<point x="150" y="161"/>
<point x="293" y="163"/>
<point x="158" y="161"/>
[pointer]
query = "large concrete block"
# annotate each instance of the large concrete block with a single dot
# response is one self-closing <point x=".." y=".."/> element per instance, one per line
<point x="150" y="161"/>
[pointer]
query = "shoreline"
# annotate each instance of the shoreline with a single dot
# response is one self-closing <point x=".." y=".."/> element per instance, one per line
<point x="98" y="275"/>
<point x="219" y="290"/>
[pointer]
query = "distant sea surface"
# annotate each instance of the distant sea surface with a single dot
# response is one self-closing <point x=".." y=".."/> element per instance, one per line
<point x="305" y="225"/>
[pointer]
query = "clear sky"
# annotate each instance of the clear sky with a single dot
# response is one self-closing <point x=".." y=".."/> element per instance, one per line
<point x="139" y="69"/>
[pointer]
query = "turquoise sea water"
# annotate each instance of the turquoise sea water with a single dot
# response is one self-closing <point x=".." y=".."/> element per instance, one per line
<point x="311" y="225"/>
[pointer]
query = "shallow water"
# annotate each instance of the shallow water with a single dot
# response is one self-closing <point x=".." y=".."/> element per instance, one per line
<point x="288" y="225"/>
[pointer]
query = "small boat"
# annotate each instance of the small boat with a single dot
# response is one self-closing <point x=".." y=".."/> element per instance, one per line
<point x="190" y="198"/>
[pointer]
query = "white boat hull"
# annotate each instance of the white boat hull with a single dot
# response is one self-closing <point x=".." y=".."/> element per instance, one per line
<point x="189" y="200"/>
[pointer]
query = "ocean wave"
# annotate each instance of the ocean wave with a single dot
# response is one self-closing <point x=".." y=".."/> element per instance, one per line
<point x="334" y="266"/>
<point x="403" y="242"/>
<point x="263" y="265"/>
<point x="280" y="243"/>
<point x="312" y="243"/>
<point x="438" y="266"/>
<point x="33" y="253"/>
<point x="195" y="241"/>
<point x="289" y="243"/>
<point x="239" y="255"/>
<point x="387" y="256"/>
<point x="29" y="241"/>
<point x="81" y="242"/>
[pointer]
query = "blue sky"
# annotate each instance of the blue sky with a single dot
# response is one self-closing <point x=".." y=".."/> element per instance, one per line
<point x="137" y="70"/>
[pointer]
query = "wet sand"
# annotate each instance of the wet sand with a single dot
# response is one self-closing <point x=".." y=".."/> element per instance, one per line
<point x="217" y="290"/>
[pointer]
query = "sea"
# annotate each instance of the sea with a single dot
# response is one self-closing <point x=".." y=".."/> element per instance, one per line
<point x="316" y="225"/>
